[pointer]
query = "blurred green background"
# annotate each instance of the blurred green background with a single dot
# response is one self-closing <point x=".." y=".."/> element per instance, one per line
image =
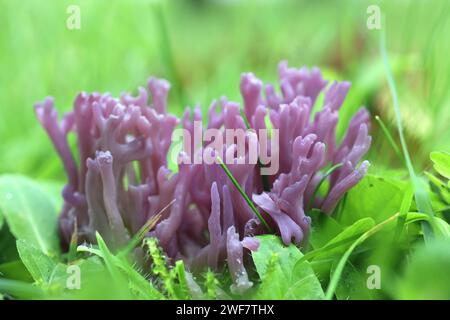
<point x="203" y="46"/>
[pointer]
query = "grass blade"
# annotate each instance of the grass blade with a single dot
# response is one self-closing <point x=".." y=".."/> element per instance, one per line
<point x="390" y="138"/>
<point x="421" y="196"/>
<point x="243" y="194"/>
<point x="150" y="224"/>
<point x="20" y="289"/>
<point x="325" y="176"/>
<point x="340" y="267"/>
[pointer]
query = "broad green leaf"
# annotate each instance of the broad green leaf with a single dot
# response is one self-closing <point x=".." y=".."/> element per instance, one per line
<point x="95" y="282"/>
<point x="441" y="162"/>
<point x="122" y="271"/>
<point x="20" y="289"/>
<point x="90" y="268"/>
<point x="374" y="196"/>
<point x="281" y="276"/>
<point x="15" y="270"/>
<point x="336" y="276"/>
<point x="323" y="228"/>
<point x="441" y="189"/>
<point x="272" y="244"/>
<point x="352" y="285"/>
<point x="342" y="241"/>
<point x="351" y="232"/>
<point x="440" y="227"/>
<point x="59" y="275"/>
<point x="37" y="263"/>
<point x="426" y="274"/>
<point x="53" y="189"/>
<point x="29" y="213"/>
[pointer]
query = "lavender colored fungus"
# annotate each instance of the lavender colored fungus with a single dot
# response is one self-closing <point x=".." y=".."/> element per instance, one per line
<point x="121" y="177"/>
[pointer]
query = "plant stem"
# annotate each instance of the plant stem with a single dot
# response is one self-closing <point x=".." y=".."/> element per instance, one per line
<point x="243" y="194"/>
<point x="340" y="267"/>
<point x="316" y="190"/>
<point x="421" y="196"/>
<point x="390" y="138"/>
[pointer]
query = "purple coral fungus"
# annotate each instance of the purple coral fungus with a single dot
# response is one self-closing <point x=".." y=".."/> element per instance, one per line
<point x="122" y="180"/>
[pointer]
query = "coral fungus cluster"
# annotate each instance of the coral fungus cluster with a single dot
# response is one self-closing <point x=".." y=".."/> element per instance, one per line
<point x="120" y="177"/>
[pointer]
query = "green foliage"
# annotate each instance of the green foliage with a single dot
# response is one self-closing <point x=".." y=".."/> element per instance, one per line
<point x="441" y="162"/>
<point x="211" y="284"/>
<point x="334" y="244"/>
<point x="20" y="289"/>
<point x="442" y="189"/>
<point x="339" y="244"/>
<point x="29" y="213"/>
<point x="37" y="263"/>
<point x="8" y="250"/>
<point x="343" y="260"/>
<point x="123" y="273"/>
<point x="323" y="228"/>
<point x="183" y="288"/>
<point x="441" y="227"/>
<point x="352" y="284"/>
<point x="377" y="197"/>
<point x="426" y="274"/>
<point x="284" y="272"/>
<point x="15" y="270"/>
<point x="389" y="138"/>
<point x="159" y="266"/>
<point x="421" y="196"/>
<point x="282" y="277"/>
